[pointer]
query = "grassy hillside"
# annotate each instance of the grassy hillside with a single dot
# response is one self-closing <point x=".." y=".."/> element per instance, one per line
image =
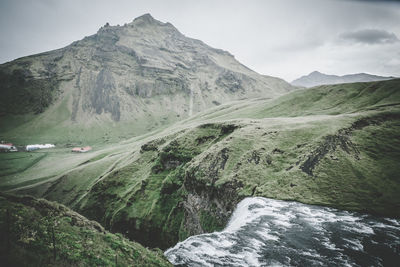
<point x="336" y="99"/>
<point x="321" y="100"/>
<point x="42" y="233"/>
<point x="187" y="179"/>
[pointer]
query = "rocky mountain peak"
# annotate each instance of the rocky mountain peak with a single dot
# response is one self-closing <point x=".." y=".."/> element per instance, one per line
<point x="143" y="22"/>
<point x="146" y="18"/>
<point x="145" y="72"/>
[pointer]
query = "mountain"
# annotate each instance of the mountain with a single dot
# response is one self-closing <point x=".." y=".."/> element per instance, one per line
<point x="133" y="78"/>
<point x="36" y="232"/>
<point x="331" y="145"/>
<point x="157" y="175"/>
<point x="316" y="78"/>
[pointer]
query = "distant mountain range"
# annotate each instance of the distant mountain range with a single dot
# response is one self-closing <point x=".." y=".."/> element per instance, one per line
<point x="316" y="78"/>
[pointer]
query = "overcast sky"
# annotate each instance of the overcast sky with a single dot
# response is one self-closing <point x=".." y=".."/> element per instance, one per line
<point x="279" y="38"/>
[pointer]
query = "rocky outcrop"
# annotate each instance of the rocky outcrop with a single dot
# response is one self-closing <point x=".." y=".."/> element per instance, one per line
<point x="343" y="140"/>
<point x="208" y="207"/>
<point x="23" y="92"/>
<point x="103" y="95"/>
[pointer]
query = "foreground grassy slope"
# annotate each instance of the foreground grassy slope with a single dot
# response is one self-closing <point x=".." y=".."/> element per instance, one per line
<point x="42" y="233"/>
<point x="187" y="179"/>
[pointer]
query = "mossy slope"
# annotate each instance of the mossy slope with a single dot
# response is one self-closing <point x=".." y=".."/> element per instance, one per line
<point x="41" y="233"/>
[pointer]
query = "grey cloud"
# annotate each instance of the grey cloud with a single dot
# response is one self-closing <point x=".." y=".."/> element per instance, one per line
<point x="370" y="36"/>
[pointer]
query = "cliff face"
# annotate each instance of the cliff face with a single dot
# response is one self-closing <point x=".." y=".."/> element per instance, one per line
<point x="144" y="72"/>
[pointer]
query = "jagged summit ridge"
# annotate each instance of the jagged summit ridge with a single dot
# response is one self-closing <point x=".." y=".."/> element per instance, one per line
<point x="143" y="19"/>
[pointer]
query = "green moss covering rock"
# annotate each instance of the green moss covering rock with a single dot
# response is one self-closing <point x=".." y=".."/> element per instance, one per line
<point x="37" y="232"/>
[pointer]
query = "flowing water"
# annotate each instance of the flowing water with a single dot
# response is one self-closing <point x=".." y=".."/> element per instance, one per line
<point x="267" y="232"/>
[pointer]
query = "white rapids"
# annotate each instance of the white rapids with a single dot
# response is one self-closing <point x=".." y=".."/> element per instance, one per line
<point x="267" y="232"/>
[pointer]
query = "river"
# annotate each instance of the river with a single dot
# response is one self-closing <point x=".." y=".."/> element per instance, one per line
<point x="267" y="232"/>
